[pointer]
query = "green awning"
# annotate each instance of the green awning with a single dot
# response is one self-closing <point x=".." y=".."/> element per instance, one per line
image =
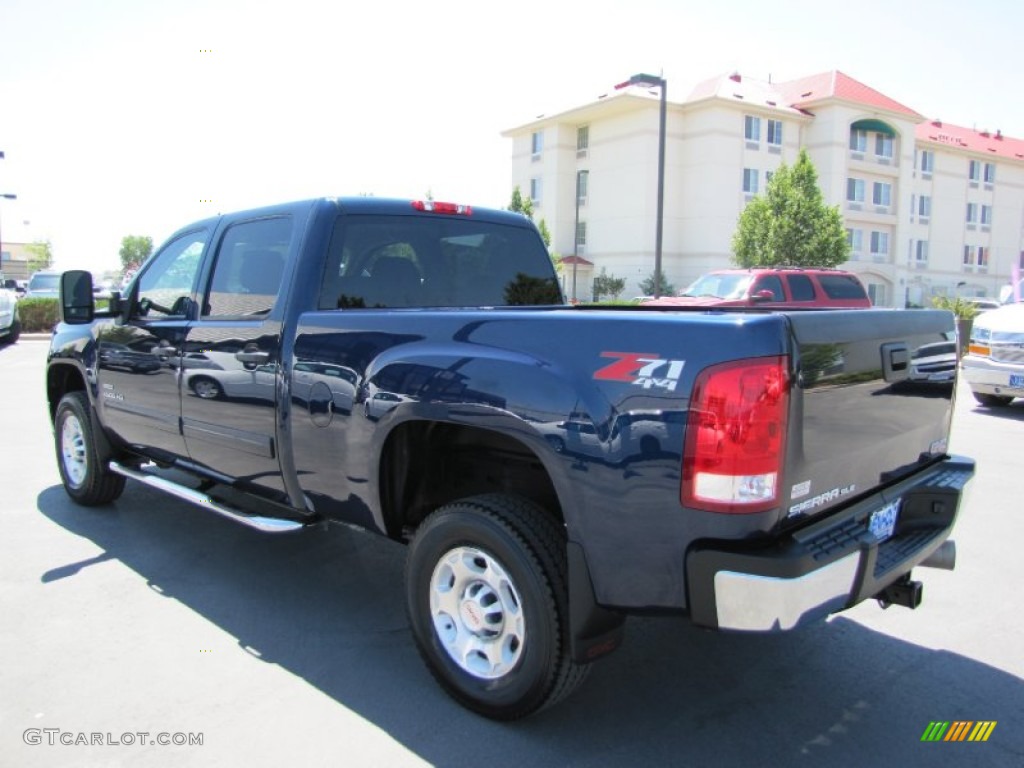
<point x="873" y="125"/>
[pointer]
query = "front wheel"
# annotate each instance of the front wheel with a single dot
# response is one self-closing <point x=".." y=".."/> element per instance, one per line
<point x="85" y="479"/>
<point x="13" y="333"/>
<point x="206" y="388"/>
<point x="487" y="597"/>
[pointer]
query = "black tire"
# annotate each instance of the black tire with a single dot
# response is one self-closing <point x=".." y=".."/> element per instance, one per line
<point x="85" y="479"/>
<point x="992" y="401"/>
<point x="12" y="334"/>
<point x="511" y="591"/>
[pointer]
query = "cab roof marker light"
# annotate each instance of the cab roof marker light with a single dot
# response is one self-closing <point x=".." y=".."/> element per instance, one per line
<point x="434" y="206"/>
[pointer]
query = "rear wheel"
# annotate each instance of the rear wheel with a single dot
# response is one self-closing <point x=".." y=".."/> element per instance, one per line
<point x="486" y="592"/>
<point x="992" y="401"/>
<point x="85" y="479"/>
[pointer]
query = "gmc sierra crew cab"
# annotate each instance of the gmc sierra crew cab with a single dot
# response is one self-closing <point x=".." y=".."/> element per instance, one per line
<point x="411" y="368"/>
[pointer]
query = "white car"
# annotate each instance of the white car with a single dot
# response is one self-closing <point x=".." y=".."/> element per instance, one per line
<point x="10" y="324"/>
<point x="994" y="363"/>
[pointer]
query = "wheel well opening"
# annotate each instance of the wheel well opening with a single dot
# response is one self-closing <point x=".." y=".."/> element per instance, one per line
<point x="425" y="465"/>
<point x="60" y="380"/>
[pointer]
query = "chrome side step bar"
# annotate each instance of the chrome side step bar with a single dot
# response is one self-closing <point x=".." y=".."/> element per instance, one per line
<point x="200" y="499"/>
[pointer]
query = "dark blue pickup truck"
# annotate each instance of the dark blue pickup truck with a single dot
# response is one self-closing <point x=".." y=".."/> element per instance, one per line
<point x="411" y="368"/>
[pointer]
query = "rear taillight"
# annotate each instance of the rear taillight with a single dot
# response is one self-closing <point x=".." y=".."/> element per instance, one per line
<point x="735" y="436"/>
<point x="436" y="207"/>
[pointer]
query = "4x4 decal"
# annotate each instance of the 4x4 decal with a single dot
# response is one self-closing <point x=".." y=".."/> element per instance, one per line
<point x="644" y="369"/>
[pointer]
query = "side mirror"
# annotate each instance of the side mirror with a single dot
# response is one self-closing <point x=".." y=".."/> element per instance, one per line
<point x="76" y="304"/>
<point x="762" y="296"/>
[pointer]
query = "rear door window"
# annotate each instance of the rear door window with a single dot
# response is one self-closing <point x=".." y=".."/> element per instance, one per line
<point x="801" y="288"/>
<point x="249" y="269"/>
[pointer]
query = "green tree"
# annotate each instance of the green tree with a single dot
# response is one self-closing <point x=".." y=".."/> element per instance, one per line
<point x="135" y="249"/>
<point x="556" y="260"/>
<point x="520" y="204"/>
<point x="545" y="234"/>
<point x="40" y="255"/>
<point x="647" y="286"/>
<point x="608" y="285"/>
<point x="790" y="224"/>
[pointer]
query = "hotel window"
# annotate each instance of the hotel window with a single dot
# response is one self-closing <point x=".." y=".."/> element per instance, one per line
<point x="986" y="215"/>
<point x="972" y="213"/>
<point x="855" y="190"/>
<point x="879" y="243"/>
<point x="775" y="132"/>
<point x="581" y="236"/>
<point x="974" y="170"/>
<point x="536" y="143"/>
<point x="927" y="161"/>
<point x="535" y="190"/>
<point x="582" y="183"/>
<point x="990" y="173"/>
<point x="924" y="206"/>
<point x="855" y="238"/>
<point x="858" y="140"/>
<point x="877" y="294"/>
<point x="883" y="145"/>
<point x="921" y="253"/>
<point x="750" y="181"/>
<point x="751" y="128"/>
<point x="583" y="138"/>
<point x="882" y="194"/>
<point x="975" y="255"/>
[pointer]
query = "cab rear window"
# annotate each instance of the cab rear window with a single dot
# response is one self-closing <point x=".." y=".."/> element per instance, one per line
<point x="412" y="261"/>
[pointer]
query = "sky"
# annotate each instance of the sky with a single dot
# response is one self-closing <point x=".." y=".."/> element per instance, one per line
<point x="137" y="117"/>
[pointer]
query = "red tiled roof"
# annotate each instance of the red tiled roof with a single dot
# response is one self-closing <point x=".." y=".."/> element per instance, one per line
<point x="836" y="85"/>
<point x="758" y="93"/>
<point x="970" y="140"/>
<point x="577" y="260"/>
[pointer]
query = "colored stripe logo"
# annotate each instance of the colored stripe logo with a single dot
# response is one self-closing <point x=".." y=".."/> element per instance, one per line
<point x="959" y="730"/>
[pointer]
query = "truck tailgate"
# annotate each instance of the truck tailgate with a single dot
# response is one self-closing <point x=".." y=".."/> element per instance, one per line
<point x="859" y="420"/>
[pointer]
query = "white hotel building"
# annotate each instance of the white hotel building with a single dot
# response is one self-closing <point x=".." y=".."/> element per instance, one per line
<point x="930" y="208"/>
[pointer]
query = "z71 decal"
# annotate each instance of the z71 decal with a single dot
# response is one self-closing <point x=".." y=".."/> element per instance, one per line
<point x="644" y="369"/>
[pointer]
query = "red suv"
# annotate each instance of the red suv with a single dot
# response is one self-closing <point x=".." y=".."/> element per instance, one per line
<point x="770" y="287"/>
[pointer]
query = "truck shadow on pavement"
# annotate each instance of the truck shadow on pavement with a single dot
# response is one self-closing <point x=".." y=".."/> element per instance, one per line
<point x="328" y="606"/>
<point x="1013" y="412"/>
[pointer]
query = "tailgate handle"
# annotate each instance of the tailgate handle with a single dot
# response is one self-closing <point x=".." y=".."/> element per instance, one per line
<point x="895" y="361"/>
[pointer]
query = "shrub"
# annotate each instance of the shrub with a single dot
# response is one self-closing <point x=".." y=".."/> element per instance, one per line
<point x="963" y="309"/>
<point x="37" y="314"/>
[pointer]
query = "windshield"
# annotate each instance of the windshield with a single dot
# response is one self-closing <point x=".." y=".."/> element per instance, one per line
<point x="44" y="283"/>
<point x="720" y="286"/>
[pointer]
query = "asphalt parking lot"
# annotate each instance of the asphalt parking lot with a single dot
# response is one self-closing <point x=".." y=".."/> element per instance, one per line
<point x="151" y="616"/>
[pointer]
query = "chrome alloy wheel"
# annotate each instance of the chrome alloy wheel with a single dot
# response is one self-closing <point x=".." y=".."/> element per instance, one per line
<point x="206" y="389"/>
<point x="477" y="613"/>
<point x="72" y="449"/>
